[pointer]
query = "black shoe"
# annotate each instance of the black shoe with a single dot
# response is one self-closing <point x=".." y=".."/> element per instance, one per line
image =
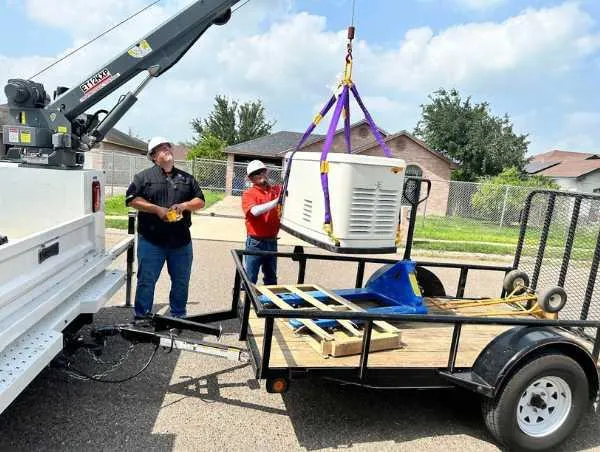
<point x="139" y="320"/>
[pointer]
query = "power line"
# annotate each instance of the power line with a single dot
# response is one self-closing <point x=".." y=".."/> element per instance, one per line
<point x="95" y="39"/>
<point x="239" y="7"/>
<point x="106" y="32"/>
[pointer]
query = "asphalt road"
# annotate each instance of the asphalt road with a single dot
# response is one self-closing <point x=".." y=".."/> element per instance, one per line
<point x="190" y="402"/>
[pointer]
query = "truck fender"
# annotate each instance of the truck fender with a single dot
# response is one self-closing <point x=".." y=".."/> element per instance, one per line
<point x="517" y="346"/>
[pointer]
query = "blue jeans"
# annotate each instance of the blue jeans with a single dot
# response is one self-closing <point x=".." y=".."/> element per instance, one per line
<point x="151" y="259"/>
<point x="268" y="263"/>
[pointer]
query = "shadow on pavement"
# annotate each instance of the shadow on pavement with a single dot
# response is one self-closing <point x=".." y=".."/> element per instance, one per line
<point x="328" y="415"/>
<point x="57" y="412"/>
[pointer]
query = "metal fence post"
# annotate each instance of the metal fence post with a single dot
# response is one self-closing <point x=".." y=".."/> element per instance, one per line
<point x="112" y="178"/>
<point x="504" y="206"/>
<point x="131" y="170"/>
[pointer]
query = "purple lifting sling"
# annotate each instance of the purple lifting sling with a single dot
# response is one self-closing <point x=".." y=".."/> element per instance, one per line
<point x="342" y="105"/>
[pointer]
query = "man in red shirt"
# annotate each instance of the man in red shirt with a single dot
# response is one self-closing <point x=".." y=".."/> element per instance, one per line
<point x="259" y="204"/>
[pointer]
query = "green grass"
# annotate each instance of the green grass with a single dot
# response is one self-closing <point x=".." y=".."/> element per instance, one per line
<point x="457" y="229"/>
<point x="115" y="223"/>
<point x="115" y="205"/>
<point x="464" y="247"/>
<point x="211" y="197"/>
<point x="462" y="229"/>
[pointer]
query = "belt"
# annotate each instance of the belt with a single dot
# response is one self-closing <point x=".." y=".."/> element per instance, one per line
<point x="262" y="238"/>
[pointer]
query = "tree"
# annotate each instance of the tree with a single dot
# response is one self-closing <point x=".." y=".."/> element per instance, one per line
<point x="481" y="143"/>
<point x="208" y="147"/>
<point x="232" y="122"/>
<point x="503" y="196"/>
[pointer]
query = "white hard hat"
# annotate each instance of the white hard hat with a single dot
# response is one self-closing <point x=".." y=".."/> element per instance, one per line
<point x="254" y="166"/>
<point x="154" y="142"/>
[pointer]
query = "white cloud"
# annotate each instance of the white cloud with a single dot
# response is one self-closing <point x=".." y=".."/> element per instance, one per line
<point x="480" y="5"/>
<point x="581" y="132"/>
<point x="291" y="60"/>
<point x="533" y="42"/>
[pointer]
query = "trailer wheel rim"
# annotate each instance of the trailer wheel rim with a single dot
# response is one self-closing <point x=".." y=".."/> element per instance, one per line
<point x="518" y="283"/>
<point x="544" y="406"/>
<point x="555" y="301"/>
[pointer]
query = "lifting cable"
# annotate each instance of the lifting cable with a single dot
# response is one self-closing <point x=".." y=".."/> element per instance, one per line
<point x="341" y="100"/>
<point x="105" y="32"/>
<point x="95" y="38"/>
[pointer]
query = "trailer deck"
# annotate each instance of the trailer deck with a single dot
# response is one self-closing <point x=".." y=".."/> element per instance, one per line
<point x="424" y="344"/>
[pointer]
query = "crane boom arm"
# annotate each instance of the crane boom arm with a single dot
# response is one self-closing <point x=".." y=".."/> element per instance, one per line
<point x="56" y="133"/>
<point x="157" y="52"/>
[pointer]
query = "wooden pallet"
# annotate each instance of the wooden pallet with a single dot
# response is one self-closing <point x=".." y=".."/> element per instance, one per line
<point x="343" y="341"/>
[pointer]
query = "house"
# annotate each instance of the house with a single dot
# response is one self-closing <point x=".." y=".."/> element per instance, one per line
<point x="269" y="148"/>
<point x="573" y="171"/>
<point x="420" y="159"/>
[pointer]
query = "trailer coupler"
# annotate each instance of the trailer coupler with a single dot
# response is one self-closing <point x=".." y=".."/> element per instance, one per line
<point x="141" y="333"/>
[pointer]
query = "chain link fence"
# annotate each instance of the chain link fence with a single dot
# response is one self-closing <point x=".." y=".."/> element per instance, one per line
<point x="214" y="175"/>
<point x="563" y="249"/>
<point x="457" y="216"/>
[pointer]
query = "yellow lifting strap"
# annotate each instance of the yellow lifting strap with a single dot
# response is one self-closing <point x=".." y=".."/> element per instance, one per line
<point x="398" y="236"/>
<point x="328" y="228"/>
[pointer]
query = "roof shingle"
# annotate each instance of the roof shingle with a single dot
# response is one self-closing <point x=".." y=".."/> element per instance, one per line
<point x="557" y="163"/>
<point x="269" y="145"/>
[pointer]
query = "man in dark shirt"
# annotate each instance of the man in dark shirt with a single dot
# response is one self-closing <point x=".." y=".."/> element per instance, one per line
<point x="164" y="196"/>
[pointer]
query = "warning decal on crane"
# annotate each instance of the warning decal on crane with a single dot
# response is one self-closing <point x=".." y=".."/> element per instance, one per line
<point x="96" y="82"/>
<point x="140" y="50"/>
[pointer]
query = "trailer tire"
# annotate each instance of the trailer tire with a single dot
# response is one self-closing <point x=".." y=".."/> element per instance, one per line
<point x="553" y="299"/>
<point x="552" y="387"/>
<point x="429" y="283"/>
<point x="514" y="279"/>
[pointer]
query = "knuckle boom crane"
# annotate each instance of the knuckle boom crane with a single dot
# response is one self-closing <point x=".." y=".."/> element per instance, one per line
<point x="56" y="133"/>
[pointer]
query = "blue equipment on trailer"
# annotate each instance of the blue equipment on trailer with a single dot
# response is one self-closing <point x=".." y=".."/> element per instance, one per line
<point x="394" y="288"/>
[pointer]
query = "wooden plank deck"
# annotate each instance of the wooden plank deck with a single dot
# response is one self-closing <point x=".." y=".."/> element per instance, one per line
<point x="424" y="344"/>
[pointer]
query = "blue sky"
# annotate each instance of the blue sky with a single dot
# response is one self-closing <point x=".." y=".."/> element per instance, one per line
<point x="537" y="60"/>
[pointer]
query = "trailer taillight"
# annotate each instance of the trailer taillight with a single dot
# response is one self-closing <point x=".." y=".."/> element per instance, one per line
<point x="96" y="196"/>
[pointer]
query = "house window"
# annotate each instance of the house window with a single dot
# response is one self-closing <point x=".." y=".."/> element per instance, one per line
<point x="413" y="171"/>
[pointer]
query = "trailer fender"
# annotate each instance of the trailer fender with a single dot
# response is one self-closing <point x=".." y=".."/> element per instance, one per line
<point x="517" y="346"/>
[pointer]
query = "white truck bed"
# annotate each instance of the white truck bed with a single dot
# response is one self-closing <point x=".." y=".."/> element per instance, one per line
<point x="53" y="268"/>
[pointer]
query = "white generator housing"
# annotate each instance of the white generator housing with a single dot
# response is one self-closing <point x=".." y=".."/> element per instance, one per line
<point x="365" y="198"/>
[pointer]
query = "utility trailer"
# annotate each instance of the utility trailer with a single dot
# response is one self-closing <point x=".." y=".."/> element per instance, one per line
<point x="536" y="376"/>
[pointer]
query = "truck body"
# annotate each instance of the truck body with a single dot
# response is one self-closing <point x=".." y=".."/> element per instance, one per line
<point x="54" y="268"/>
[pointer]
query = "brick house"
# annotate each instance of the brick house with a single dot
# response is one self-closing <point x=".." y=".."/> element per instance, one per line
<point x="420" y="159"/>
<point x="573" y="171"/>
<point x="269" y="149"/>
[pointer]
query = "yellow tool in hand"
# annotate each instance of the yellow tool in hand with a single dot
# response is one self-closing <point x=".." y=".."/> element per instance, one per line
<point x="173" y="216"/>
